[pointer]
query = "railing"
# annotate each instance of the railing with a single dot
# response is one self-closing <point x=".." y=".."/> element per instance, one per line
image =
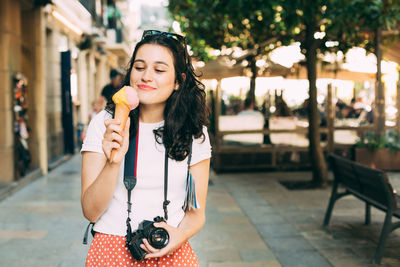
<point x="234" y="156"/>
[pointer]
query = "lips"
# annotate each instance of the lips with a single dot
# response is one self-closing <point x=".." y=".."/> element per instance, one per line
<point x="145" y="87"/>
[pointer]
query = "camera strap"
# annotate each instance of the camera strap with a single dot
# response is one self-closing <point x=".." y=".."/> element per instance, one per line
<point x="130" y="178"/>
<point x="166" y="201"/>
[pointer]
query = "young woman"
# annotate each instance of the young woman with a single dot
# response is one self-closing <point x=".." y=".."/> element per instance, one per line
<point x="169" y="119"/>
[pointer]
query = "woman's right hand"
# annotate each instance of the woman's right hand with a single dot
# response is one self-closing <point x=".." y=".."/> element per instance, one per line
<point x="116" y="138"/>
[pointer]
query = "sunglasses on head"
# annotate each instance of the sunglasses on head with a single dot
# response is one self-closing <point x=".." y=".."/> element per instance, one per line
<point x="181" y="39"/>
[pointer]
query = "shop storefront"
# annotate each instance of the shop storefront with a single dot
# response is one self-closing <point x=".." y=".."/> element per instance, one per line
<point x="22" y="156"/>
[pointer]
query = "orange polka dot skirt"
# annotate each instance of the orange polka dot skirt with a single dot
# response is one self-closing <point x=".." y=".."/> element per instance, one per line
<point x="110" y="250"/>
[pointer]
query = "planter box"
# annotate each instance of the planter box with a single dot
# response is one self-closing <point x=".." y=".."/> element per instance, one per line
<point x="383" y="159"/>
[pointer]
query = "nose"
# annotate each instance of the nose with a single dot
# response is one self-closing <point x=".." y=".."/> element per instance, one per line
<point x="147" y="76"/>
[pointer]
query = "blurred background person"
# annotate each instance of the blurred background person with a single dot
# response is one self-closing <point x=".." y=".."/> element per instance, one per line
<point x="97" y="106"/>
<point x="112" y="87"/>
<point x="249" y="108"/>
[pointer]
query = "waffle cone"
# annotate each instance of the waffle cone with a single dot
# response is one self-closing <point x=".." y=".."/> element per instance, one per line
<point x="121" y="114"/>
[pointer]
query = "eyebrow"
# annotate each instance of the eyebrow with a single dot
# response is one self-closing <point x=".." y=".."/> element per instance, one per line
<point x="157" y="62"/>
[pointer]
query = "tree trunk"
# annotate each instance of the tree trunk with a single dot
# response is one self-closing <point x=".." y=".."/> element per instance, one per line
<point x="330" y="118"/>
<point x="379" y="112"/>
<point x="318" y="164"/>
<point x="252" y="92"/>
<point x="398" y="104"/>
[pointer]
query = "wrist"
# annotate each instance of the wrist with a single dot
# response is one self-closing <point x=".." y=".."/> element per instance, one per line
<point x="186" y="234"/>
<point x="113" y="165"/>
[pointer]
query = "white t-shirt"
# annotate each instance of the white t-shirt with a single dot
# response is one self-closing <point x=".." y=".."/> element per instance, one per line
<point x="148" y="195"/>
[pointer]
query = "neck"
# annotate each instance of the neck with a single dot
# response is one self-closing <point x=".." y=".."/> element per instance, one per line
<point x="151" y="113"/>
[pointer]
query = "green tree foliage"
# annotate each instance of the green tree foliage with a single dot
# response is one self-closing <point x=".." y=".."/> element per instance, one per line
<point x="345" y="24"/>
<point x="237" y="23"/>
<point x="209" y="24"/>
<point x="320" y="26"/>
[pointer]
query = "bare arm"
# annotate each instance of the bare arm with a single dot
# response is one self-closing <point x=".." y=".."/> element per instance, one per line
<point x="193" y="220"/>
<point x="99" y="176"/>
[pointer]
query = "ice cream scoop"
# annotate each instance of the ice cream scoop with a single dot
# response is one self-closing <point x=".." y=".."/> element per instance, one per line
<point x="125" y="100"/>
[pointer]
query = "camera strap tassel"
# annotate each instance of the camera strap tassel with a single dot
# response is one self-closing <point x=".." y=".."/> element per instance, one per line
<point x="191" y="202"/>
<point x="190" y="199"/>
<point x="85" y="237"/>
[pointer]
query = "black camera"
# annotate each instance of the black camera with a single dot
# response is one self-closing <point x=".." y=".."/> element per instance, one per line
<point x="157" y="238"/>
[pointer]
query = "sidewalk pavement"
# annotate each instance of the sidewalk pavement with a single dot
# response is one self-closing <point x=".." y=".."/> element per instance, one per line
<point x="252" y="220"/>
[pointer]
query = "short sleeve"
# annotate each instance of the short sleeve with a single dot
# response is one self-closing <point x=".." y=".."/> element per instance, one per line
<point x="201" y="149"/>
<point x="95" y="133"/>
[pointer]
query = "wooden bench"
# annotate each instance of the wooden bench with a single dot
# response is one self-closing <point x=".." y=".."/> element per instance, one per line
<point x="369" y="185"/>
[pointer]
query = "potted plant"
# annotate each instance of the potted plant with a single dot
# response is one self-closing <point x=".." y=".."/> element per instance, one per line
<point x="380" y="153"/>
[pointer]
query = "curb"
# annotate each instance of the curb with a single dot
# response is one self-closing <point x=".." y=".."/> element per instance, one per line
<point x="32" y="176"/>
<point x="10" y="189"/>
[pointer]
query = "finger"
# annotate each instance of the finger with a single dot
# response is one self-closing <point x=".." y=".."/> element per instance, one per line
<point x="128" y="123"/>
<point x="142" y="246"/>
<point x="157" y="254"/>
<point x="112" y="137"/>
<point x="127" y="126"/>
<point x="111" y="121"/>
<point x="114" y="128"/>
<point x="113" y="125"/>
<point x="108" y="144"/>
<point x="106" y="151"/>
<point x="149" y="247"/>
<point x="162" y="225"/>
<point x="117" y="138"/>
<point x="115" y="145"/>
<point x="111" y="144"/>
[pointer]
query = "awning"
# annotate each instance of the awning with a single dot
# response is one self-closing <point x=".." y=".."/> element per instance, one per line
<point x="119" y="49"/>
<point x="392" y="52"/>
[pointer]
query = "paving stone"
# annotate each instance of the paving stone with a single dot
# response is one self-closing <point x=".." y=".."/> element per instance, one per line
<point x="250" y="201"/>
<point x="365" y="252"/>
<point x="244" y="221"/>
<point x="245" y="264"/>
<point x="288" y="244"/>
<point x="251" y="220"/>
<point x="229" y="209"/>
<point x="337" y="254"/>
<point x="352" y="262"/>
<point x="267" y="218"/>
<point x="299" y="217"/>
<point x="22" y="234"/>
<point x="258" y="210"/>
<point x="316" y="234"/>
<point x="218" y="255"/>
<point x="276" y="230"/>
<point x="386" y="261"/>
<point x="302" y="259"/>
<point x="332" y="244"/>
<point x="257" y="255"/>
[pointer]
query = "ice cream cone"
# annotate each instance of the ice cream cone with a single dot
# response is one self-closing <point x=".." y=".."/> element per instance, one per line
<point x="121" y="114"/>
<point x="125" y="100"/>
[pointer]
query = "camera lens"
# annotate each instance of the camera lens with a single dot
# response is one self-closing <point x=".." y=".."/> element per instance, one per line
<point x="158" y="238"/>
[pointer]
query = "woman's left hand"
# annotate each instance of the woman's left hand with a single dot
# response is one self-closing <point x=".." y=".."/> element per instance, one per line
<point x="177" y="237"/>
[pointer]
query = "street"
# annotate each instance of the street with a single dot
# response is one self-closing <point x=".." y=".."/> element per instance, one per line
<point x="252" y="220"/>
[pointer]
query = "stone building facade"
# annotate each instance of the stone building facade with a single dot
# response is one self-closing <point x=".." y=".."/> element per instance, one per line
<point x="54" y="60"/>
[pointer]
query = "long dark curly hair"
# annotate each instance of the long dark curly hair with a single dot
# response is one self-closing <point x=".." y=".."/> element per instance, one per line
<point x="185" y="111"/>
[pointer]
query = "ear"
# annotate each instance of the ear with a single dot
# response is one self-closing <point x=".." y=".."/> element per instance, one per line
<point x="176" y="82"/>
